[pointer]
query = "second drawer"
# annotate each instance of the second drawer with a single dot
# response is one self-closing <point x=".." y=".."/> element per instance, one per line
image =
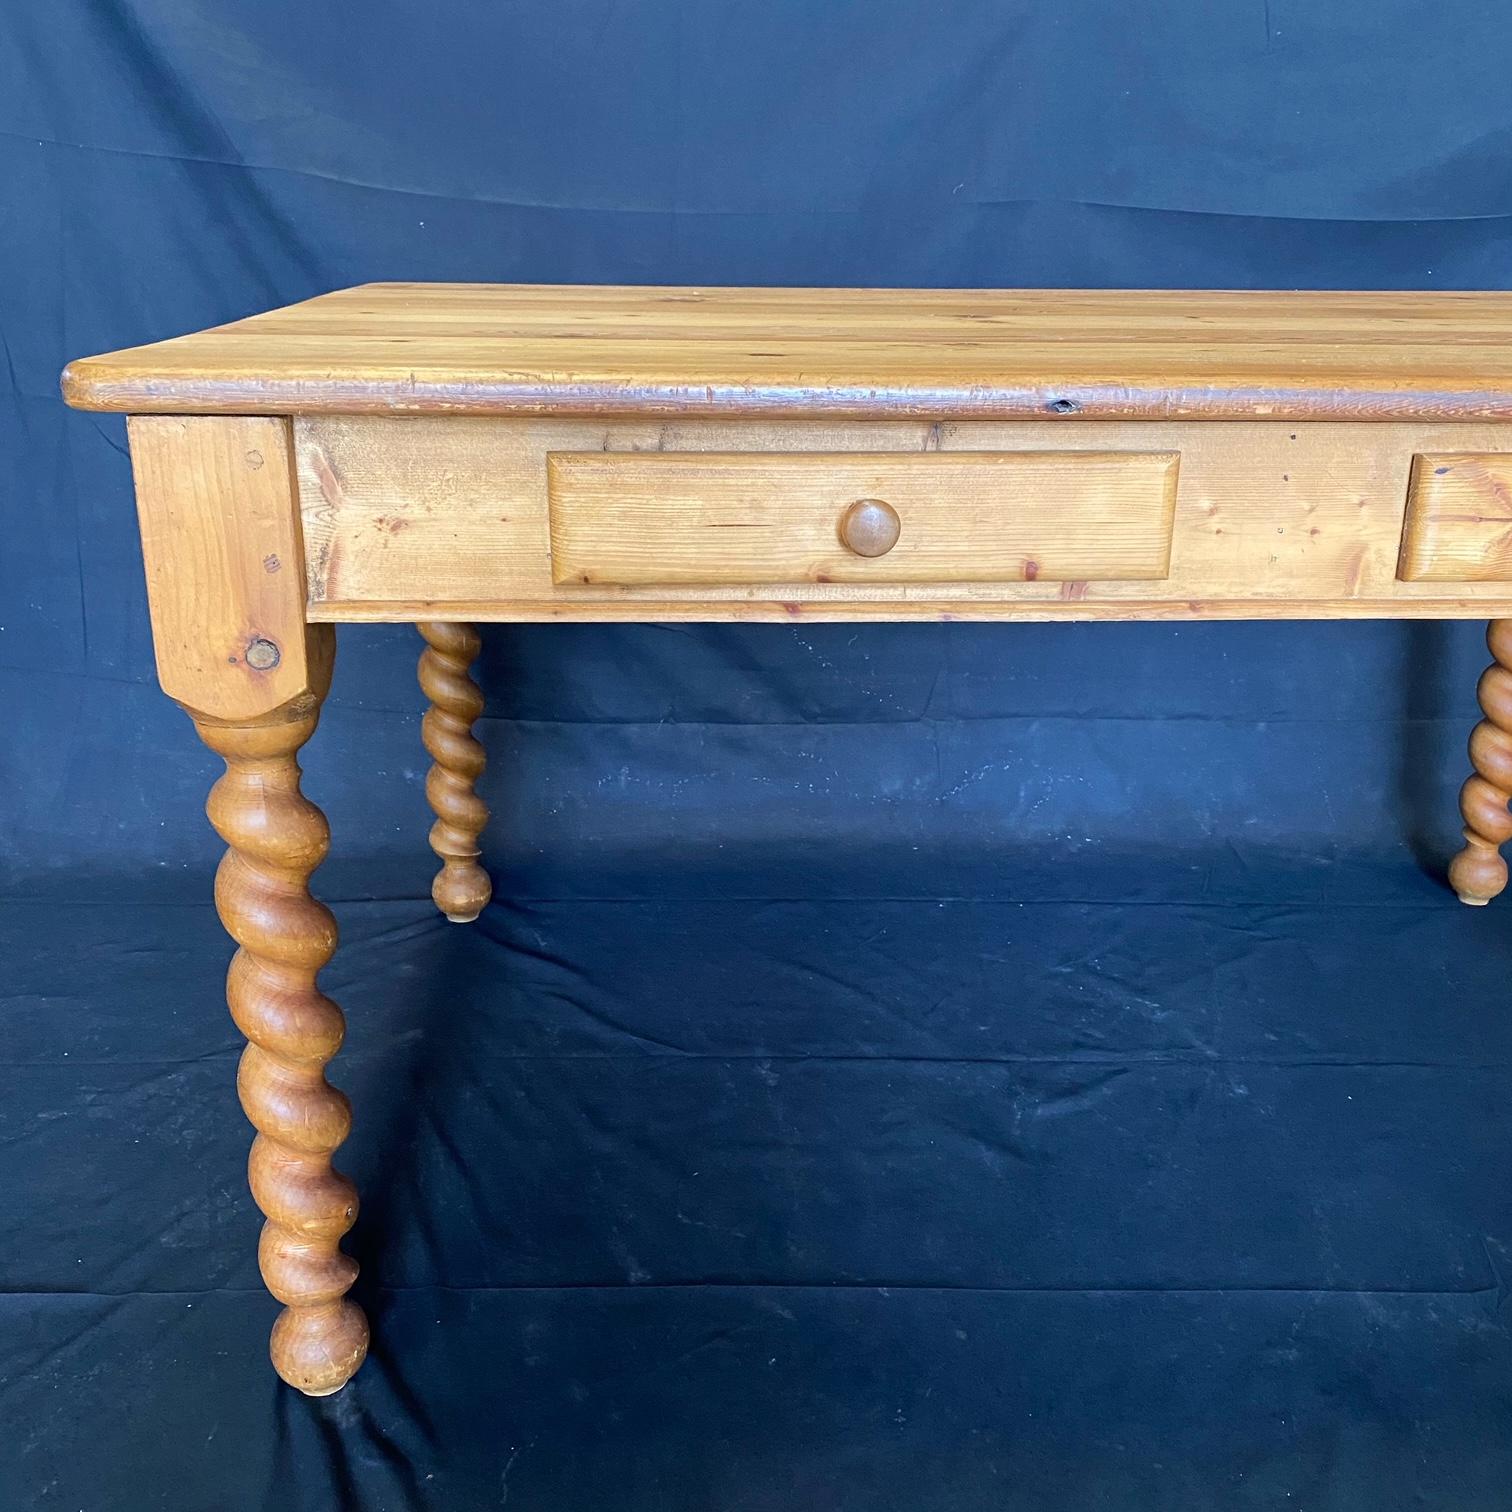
<point x="642" y="518"/>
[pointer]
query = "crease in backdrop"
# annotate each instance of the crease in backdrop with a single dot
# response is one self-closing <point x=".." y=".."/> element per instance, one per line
<point x="934" y="1066"/>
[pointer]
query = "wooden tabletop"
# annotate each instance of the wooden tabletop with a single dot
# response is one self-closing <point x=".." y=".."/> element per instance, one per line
<point x="883" y="353"/>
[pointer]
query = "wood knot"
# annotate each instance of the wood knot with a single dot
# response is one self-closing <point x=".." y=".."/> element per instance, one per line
<point x="262" y="655"/>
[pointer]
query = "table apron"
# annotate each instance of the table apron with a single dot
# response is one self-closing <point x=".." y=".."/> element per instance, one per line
<point x="410" y="517"/>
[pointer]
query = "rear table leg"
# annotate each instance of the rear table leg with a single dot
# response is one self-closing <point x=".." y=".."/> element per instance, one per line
<point x="461" y="888"/>
<point x="1478" y="873"/>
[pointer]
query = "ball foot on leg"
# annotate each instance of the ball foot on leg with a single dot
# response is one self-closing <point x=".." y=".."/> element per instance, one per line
<point x="317" y="1349"/>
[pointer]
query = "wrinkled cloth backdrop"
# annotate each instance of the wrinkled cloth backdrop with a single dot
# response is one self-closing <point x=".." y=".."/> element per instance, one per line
<point x="928" y="1067"/>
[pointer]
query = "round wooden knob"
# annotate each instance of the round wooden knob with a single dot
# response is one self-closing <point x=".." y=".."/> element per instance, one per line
<point x="870" y="527"/>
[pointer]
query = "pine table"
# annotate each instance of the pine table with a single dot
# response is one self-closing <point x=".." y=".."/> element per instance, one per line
<point x="449" y="454"/>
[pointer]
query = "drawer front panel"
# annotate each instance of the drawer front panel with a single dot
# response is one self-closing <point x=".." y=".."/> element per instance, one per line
<point x="1459" y="519"/>
<point x="642" y="519"/>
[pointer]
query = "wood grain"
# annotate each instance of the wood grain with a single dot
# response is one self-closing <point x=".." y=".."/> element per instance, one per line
<point x="983" y="517"/>
<point x="446" y="518"/>
<point x="1459" y="519"/>
<point x="774" y="612"/>
<point x="929" y="353"/>
<point x="225" y="561"/>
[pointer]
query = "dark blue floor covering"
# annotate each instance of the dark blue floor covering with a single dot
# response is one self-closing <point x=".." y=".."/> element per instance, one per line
<point x="846" y="1204"/>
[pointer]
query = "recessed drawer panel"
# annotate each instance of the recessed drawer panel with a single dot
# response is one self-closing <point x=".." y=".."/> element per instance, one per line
<point x="1459" y="519"/>
<point x="643" y="518"/>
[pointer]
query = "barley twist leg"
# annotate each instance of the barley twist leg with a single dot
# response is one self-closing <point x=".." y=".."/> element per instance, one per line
<point x="1478" y="873"/>
<point x="276" y="839"/>
<point x="462" y="888"/>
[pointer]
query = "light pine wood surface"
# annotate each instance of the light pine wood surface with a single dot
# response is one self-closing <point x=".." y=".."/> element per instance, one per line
<point x="964" y="517"/>
<point x="450" y="516"/>
<point x="938" y="353"/>
<point x="1459" y="519"/>
<point x="225" y="561"/>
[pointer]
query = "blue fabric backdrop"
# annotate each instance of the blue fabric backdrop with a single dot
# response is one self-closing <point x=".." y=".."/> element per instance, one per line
<point x="941" y="1067"/>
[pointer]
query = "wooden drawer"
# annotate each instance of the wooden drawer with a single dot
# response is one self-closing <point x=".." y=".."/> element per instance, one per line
<point x="1458" y="527"/>
<point x="639" y="519"/>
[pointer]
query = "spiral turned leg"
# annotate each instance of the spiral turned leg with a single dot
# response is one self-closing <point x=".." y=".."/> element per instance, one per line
<point x="277" y="837"/>
<point x="462" y="888"/>
<point x="1479" y="873"/>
